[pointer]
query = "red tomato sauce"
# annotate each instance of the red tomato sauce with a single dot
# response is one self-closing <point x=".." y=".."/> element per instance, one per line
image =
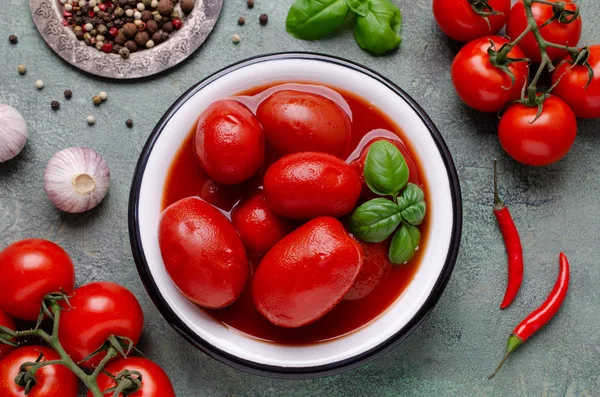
<point x="186" y="178"/>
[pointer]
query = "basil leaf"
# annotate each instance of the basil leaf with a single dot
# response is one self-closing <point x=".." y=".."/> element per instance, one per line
<point x="415" y="213"/>
<point x="360" y="7"/>
<point x="379" y="30"/>
<point x="386" y="171"/>
<point x="313" y="19"/>
<point x="404" y="244"/>
<point x="375" y="220"/>
<point x="413" y="194"/>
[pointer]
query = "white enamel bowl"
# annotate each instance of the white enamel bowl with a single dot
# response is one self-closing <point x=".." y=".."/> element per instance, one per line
<point x="320" y="359"/>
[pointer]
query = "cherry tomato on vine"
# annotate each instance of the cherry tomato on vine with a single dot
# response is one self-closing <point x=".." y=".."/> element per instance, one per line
<point x="155" y="382"/>
<point x="30" y="270"/>
<point x="52" y="380"/>
<point x="99" y="310"/>
<point x="573" y="87"/>
<point x="459" y="20"/>
<point x="542" y="142"/>
<point x="7" y="322"/>
<point x="557" y="32"/>
<point x="482" y="85"/>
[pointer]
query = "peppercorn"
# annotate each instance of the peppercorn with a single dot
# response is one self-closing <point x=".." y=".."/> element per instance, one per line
<point x="124" y="52"/>
<point x="146" y="15"/>
<point x="39" y="84"/>
<point x="120" y="39"/>
<point x="250" y="3"/>
<point x="141" y="26"/>
<point x="116" y="49"/>
<point x="103" y="96"/>
<point x="165" y="7"/>
<point x="118" y="12"/>
<point x="22" y="69"/>
<point x="165" y="36"/>
<point x="263" y="19"/>
<point x="96" y="99"/>
<point x="187" y="6"/>
<point x="91" y="120"/>
<point x="177" y="24"/>
<point x="235" y="39"/>
<point x="151" y="26"/>
<point x="130" y="30"/>
<point x="241" y="21"/>
<point x="68" y="94"/>
<point x="175" y="15"/>
<point x="107" y="48"/>
<point x="55" y="105"/>
<point x="157" y="37"/>
<point x="102" y="29"/>
<point x="13" y="39"/>
<point x="142" y="38"/>
<point x="168" y="27"/>
<point x="131" y="45"/>
<point x="129" y="123"/>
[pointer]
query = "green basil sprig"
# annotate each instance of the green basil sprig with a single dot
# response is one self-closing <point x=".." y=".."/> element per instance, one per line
<point x="386" y="173"/>
<point x="376" y="22"/>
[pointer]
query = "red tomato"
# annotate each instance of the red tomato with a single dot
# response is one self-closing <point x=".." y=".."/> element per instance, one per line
<point x="307" y="185"/>
<point x="557" y="32"/>
<point x="459" y="21"/>
<point x="155" y="382"/>
<point x="7" y="322"/>
<point x="52" y="380"/>
<point x="31" y="269"/>
<point x="99" y="310"/>
<point x="573" y="88"/>
<point x="203" y="253"/>
<point x="230" y="144"/>
<point x="359" y="166"/>
<point x="307" y="273"/>
<point x="296" y="121"/>
<point x="375" y="265"/>
<point x="259" y="227"/>
<point x="480" y="84"/>
<point x="543" y="142"/>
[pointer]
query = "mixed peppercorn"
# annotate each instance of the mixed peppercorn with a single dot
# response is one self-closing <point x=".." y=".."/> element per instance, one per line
<point x="124" y="26"/>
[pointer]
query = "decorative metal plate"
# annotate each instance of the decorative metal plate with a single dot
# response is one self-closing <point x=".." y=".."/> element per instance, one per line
<point x="47" y="16"/>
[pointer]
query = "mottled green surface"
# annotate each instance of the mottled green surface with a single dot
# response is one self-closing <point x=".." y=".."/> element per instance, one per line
<point x="556" y="208"/>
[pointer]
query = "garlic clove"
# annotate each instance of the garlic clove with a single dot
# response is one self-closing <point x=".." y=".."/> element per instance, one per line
<point x="13" y="132"/>
<point x="76" y="179"/>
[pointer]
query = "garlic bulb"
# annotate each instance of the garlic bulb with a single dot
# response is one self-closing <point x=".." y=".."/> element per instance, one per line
<point x="13" y="132"/>
<point x="76" y="179"/>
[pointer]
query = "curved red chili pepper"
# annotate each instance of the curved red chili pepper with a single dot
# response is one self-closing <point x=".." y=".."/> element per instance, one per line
<point x="512" y="242"/>
<point x="540" y="316"/>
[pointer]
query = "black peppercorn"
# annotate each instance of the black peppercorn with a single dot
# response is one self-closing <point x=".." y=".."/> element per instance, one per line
<point x="250" y="3"/>
<point x="129" y="123"/>
<point x="120" y="39"/>
<point x="130" y="30"/>
<point x="263" y="19"/>
<point x="147" y="15"/>
<point x="157" y="37"/>
<point x="151" y="26"/>
<point x="131" y="46"/>
<point x="68" y="94"/>
<point x="168" y="27"/>
<point x="55" y="105"/>
<point x="241" y="21"/>
<point x="13" y="39"/>
<point x="142" y="38"/>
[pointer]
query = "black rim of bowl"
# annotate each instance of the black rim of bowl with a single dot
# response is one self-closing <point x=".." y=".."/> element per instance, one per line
<point x="293" y="372"/>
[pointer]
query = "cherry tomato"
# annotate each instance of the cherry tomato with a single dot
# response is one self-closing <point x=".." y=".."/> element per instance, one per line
<point x="296" y="121"/>
<point x="155" y="382"/>
<point x="480" y="84"/>
<point x="542" y="142"/>
<point x="203" y="253"/>
<point x="259" y="227"/>
<point x="376" y="264"/>
<point x="30" y="270"/>
<point x="99" y="310"/>
<point x="52" y="380"/>
<point x="230" y="144"/>
<point x="459" y="21"/>
<point x="556" y="32"/>
<point x="309" y="184"/>
<point x="307" y="273"/>
<point x="573" y="87"/>
<point x="7" y="322"/>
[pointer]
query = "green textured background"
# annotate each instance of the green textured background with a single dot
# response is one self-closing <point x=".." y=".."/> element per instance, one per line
<point x="555" y="208"/>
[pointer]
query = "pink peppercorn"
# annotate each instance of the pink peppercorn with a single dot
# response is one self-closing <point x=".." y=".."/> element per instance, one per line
<point x="113" y="32"/>
<point x="102" y="7"/>
<point x="141" y="27"/>
<point x="107" y="47"/>
<point x="65" y="22"/>
<point x="177" y="24"/>
<point x="67" y="14"/>
<point x="91" y="14"/>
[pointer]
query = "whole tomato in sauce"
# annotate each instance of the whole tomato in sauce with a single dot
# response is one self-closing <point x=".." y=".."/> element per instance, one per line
<point x="307" y="185"/>
<point x="259" y="227"/>
<point x="576" y="88"/>
<point x="51" y="380"/>
<point x="376" y="264"/>
<point x="296" y="121"/>
<point x="557" y="32"/>
<point x="230" y="143"/>
<point x="30" y="270"/>
<point x="99" y="310"/>
<point x="203" y="253"/>
<point x="307" y="273"/>
<point x="7" y="322"/>
<point x="155" y="382"/>
<point x="459" y="21"/>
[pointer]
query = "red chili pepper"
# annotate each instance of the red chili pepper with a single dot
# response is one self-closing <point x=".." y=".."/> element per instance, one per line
<point x="540" y="316"/>
<point x="512" y="242"/>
